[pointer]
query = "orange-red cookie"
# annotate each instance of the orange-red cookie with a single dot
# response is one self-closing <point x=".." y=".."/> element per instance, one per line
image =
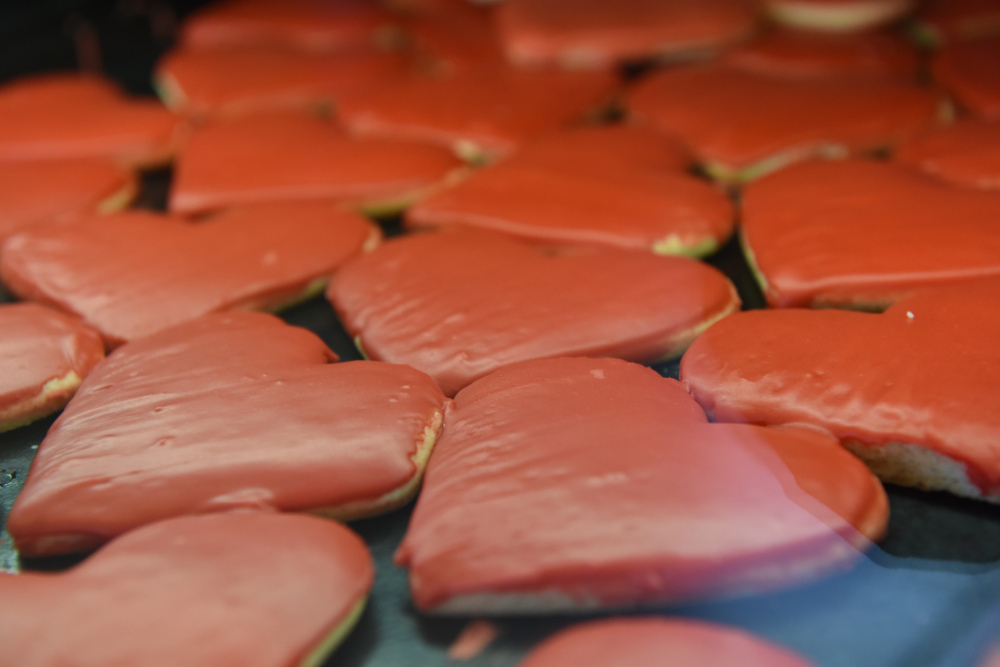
<point x="230" y="411"/>
<point x="252" y="589"/>
<point x="288" y="156"/>
<point x="838" y="15"/>
<point x="571" y="484"/>
<point x="40" y="190"/>
<point x="641" y="642"/>
<point x="240" y="79"/>
<point x="970" y="70"/>
<point x="72" y="115"/>
<point x="133" y="273"/>
<point x="912" y="390"/>
<point x="607" y="185"/>
<point x="460" y="304"/>
<point x="591" y="33"/>
<point x="966" y="153"/>
<point x="318" y="25"/>
<point x="710" y="109"/>
<point x="957" y="19"/>
<point x="44" y="355"/>
<point x="489" y="110"/>
<point x="864" y="234"/>
<point x="802" y="53"/>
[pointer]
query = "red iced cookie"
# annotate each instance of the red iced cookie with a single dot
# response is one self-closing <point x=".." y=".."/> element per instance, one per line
<point x="71" y="115"/>
<point x="287" y="156"/>
<point x="587" y="483"/>
<point x="864" y="234"/>
<point x="599" y="33"/>
<point x="606" y="185"/>
<point x="741" y="125"/>
<point x="641" y="642"/>
<point x="967" y="153"/>
<point x="838" y="15"/>
<point x="132" y="273"/>
<point x="229" y="411"/>
<point x="913" y="391"/>
<point x="455" y="34"/>
<point x="970" y="70"/>
<point x="488" y="110"/>
<point x="40" y="190"/>
<point x="44" y="355"/>
<point x="252" y="589"/>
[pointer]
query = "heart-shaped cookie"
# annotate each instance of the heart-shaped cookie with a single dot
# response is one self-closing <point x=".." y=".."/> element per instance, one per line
<point x="566" y="484"/>
<point x="248" y="588"/>
<point x="837" y="15"/>
<point x="608" y="185"/>
<point x="281" y="156"/>
<point x="970" y="70"/>
<point x="44" y="355"/>
<point x="641" y="642"/>
<point x="71" y="115"/>
<point x="967" y="152"/>
<point x="460" y="304"/>
<point x="229" y="411"/>
<point x="132" y="273"/>
<point x="864" y="234"/>
<point x="741" y="125"/>
<point x="913" y="391"/>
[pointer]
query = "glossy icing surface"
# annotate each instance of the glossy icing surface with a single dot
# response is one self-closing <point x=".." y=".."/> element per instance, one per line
<point x="970" y="70"/>
<point x="39" y="346"/>
<point x="229" y="411"/>
<point x="708" y="108"/>
<point x="494" y="108"/>
<point x="162" y="270"/>
<point x="864" y="233"/>
<point x="593" y="32"/>
<point x="251" y="588"/>
<point x="838" y="15"/>
<point x="286" y="156"/>
<point x="967" y="152"/>
<point x="594" y="482"/>
<point x="876" y="378"/>
<point x="69" y="115"/>
<point x="453" y="304"/>
<point x="32" y="192"/>
<point x="608" y="185"/>
<point x="645" y="641"/>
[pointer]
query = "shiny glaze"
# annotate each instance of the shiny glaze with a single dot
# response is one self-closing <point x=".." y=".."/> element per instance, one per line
<point x="646" y="641"/>
<point x="709" y="108"/>
<point x="132" y="273"/>
<point x="286" y="155"/>
<point x="229" y="411"/>
<point x="32" y="192"/>
<point x="966" y="153"/>
<point x="594" y="32"/>
<point x="603" y="483"/>
<point x="842" y="16"/>
<point x="73" y="115"/>
<point x="970" y="70"/>
<point x="460" y="304"/>
<point x="925" y="372"/>
<point x="494" y="108"/>
<point x="40" y="345"/>
<point x="242" y="79"/>
<point x="864" y="234"/>
<point x="608" y="185"/>
<point x="253" y="589"/>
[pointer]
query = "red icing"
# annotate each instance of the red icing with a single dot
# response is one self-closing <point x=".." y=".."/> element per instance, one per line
<point x="70" y="115"/>
<point x="967" y="152"/>
<point x="595" y="32"/>
<point x="865" y="233"/>
<point x="162" y="270"/>
<point x="970" y="70"/>
<point x="608" y="185"/>
<point x="493" y="107"/>
<point x="455" y="34"/>
<point x="925" y="372"/>
<point x="39" y="345"/>
<point x="230" y="411"/>
<point x="249" y="589"/>
<point x="642" y="642"/>
<point x="710" y="109"/>
<point x="284" y="156"/>
<point x="601" y="482"/>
